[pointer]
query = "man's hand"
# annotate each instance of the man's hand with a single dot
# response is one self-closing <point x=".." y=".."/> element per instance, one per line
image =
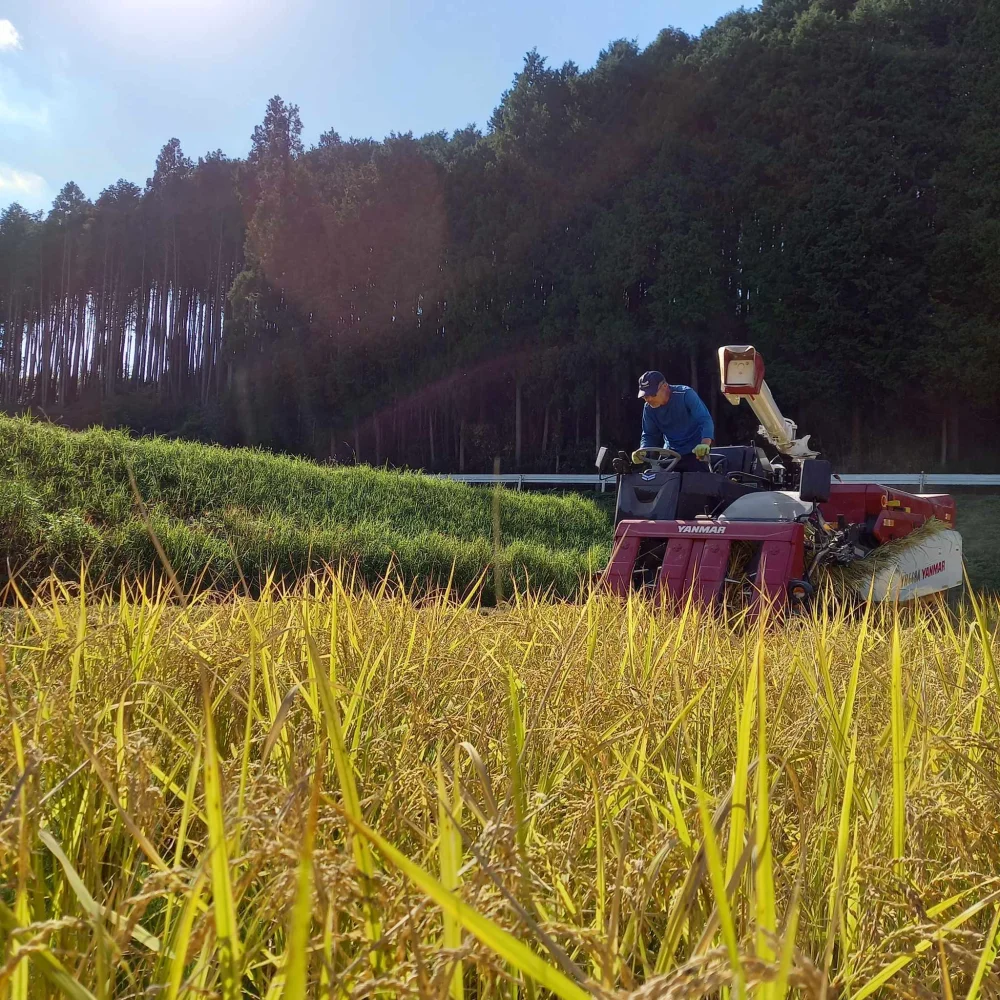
<point x="700" y="451"/>
<point x="637" y="458"/>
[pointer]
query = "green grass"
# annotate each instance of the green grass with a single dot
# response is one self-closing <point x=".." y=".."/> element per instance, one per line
<point x="979" y="522"/>
<point x="240" y="514"/>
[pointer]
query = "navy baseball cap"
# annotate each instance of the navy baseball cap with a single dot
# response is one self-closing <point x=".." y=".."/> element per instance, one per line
<point x="650" y="382"/>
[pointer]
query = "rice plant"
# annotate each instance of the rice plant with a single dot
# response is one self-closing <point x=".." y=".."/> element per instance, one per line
<point x="337" y="790"/>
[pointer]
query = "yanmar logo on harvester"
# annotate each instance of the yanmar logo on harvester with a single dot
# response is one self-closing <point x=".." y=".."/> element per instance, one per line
<point x="701" y="529"/>
<point x="923" y="574"/>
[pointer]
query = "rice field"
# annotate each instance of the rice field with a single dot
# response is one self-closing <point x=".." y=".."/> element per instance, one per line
<point x="331" y="790"/>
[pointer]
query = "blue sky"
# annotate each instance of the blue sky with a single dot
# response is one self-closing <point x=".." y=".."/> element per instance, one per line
<point x="91" y="89"/>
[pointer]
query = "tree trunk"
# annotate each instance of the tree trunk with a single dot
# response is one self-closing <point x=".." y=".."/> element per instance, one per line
<point x="430" y="433"/>
<point x="461" y="444"/>
<point x="357" y="443"/>
<point x="378" y="442"/>
<point x="597" y="414"/>
<point x="517" y="424"/>
<point x="46" y="356"/>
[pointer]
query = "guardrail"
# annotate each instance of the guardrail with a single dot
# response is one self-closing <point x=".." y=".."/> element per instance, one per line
<point x="922" y="480"/>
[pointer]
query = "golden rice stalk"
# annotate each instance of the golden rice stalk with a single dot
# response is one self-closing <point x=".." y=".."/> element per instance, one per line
<point x="717" y="876"/>
<point x="898" y="754"/>
<point x="52" y="970"/>
<point x="450" y="854"/>
<point x="349" y="792"/>
<point x="182" y="936"/>
<point x="296" y="965"/>
<point x="986" y="957"/>
<point x="223" y="903"/>
<point x="763" y="873"/>
<point x="491" y="934"/>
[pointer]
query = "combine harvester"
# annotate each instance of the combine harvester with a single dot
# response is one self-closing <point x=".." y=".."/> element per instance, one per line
<point x="752" y="527"/>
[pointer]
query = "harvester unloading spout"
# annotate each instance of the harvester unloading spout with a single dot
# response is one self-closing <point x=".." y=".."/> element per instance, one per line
<point x="742" y="372"/>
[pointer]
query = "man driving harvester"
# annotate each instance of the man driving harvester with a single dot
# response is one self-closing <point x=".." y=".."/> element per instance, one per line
<point x="674" y="417"/>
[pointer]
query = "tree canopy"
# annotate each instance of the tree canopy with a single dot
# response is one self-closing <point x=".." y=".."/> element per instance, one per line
<point x="818" y="177"/>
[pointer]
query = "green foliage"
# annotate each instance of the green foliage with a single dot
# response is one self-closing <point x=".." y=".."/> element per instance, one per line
<point x="21" y="516"/>
<point x="235" y="516"/>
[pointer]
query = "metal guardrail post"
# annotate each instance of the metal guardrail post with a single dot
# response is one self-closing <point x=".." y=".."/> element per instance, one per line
<point x="922" y="488"/>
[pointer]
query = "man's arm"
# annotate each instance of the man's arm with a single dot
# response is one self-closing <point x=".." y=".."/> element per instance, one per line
<point x="700" y="416"/>
<point x="650" y="431"/>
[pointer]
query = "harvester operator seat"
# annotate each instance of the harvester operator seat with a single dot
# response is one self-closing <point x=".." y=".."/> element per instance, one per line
<point x="739" y="458"/>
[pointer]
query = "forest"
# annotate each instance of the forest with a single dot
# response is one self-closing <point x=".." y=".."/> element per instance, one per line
<point x="820" y="178"/>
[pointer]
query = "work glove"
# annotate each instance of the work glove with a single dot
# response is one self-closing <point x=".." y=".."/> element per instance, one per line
<point x="637" y="458"/>
<point x="700" y="451"/>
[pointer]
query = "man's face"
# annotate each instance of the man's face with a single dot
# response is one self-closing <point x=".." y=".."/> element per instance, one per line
<point x="660" y="397"/>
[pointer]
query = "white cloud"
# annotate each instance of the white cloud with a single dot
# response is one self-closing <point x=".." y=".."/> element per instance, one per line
<point x="9" y="38"/>
<point x="21" y="185"/>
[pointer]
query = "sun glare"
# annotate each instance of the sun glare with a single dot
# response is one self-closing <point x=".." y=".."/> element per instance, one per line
<point x="185" y="27"/>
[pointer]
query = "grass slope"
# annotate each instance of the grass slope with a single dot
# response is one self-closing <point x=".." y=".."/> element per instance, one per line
<point x="239" y="512"/>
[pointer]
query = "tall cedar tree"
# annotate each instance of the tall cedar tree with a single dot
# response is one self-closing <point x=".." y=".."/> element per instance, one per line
<point x="818" y="177"/>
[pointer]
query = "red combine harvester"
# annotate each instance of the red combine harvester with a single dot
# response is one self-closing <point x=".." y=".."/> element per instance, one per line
<point x="750" y="526"/>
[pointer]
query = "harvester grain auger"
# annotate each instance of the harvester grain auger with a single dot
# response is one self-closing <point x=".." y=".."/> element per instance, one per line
<point x="781" y="528"/>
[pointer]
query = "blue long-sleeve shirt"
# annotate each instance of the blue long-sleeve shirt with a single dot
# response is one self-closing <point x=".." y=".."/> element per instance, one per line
<point x="681" y="424"/>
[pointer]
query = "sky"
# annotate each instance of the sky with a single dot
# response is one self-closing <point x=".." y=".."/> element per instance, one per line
<point x="90" y="90"/>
